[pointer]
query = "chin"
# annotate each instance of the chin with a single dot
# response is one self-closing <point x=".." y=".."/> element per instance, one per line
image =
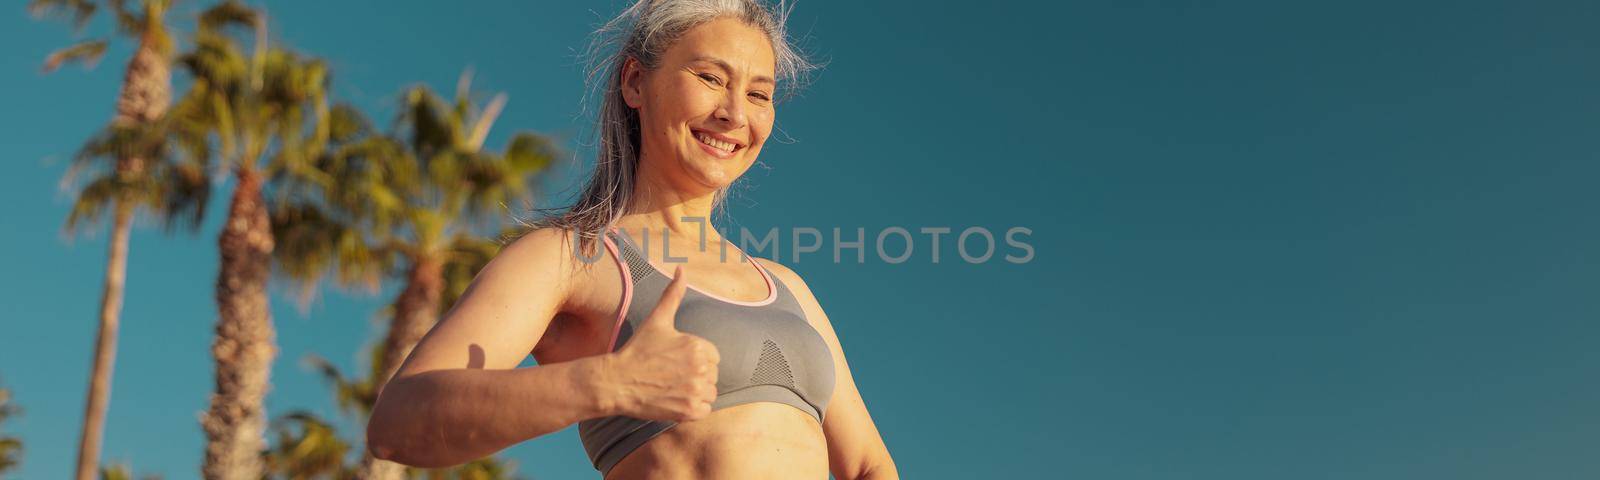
<point x="706" y="174"/>
<point x="719" y="179"/>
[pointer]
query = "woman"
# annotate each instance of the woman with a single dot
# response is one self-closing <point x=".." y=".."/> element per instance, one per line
<point x="722" y="369"/>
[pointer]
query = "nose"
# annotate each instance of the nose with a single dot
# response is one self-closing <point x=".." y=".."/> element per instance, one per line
<point x="730" y="111"/>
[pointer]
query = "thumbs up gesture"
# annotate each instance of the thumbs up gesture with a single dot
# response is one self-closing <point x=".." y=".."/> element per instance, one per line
<point x="661" y="373"/>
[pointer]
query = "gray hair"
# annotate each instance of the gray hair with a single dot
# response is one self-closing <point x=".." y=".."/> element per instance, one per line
<point x="644" y="31"/>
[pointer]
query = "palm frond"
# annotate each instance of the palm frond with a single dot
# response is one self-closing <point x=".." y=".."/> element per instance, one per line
<point x="215" y="63"/>
<point x="482" y="124"/>
<point x="487" y="468"/>
<point x="10" y="453"/>
<point x="231" y="13"/>
<point x="116" y="471"/>
<point x="313" y="242"/>
<point x="87" y="53"/>
<point x="10" y="447"/>
<point x="108" y="183"/>
<point x="353" y="395"/>
<point x="183" y="195"/>
<point x="425" y="123"/>
<point x="136" y="163"/>
<point x="530" y="153"/>
<point x="92" y="202"/>
<point x="77" y="11"/>
<point x="121" y="471"/>
<point x="133" y="23"/>
<point x="307" y="446"/>
<point x="346" y="124"/>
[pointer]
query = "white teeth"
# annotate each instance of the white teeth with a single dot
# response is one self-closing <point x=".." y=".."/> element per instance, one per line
<point x="718" y="144"/>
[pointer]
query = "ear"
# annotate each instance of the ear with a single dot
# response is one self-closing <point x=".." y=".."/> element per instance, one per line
<point x="633" y="83"/>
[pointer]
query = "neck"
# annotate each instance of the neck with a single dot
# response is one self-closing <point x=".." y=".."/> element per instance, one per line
<point x="663" y="207"/>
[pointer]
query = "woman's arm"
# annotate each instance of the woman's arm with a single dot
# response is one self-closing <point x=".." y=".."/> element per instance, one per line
<point x="459" y="395"/>
<point x="442" y="418"/>
<point x="855" y="449"/>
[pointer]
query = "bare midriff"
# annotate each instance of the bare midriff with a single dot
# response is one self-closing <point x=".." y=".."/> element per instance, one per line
<point x="754" y="440"/>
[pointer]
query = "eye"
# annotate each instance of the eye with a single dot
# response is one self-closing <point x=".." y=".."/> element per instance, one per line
<point x="711" y="78"/>
<point x="761" y="95"/>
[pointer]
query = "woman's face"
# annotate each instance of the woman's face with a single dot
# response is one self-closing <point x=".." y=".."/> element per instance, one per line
<point x="705" y="112"/>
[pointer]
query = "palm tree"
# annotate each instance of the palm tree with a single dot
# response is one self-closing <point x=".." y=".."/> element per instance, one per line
<point x="126" y="182"/>
<point x="449" y="188"/>
<point x="449" y="191"/>
<point x="410" y="204"/>
<point x="266" y="111"/>
<point x="10" y="447"/>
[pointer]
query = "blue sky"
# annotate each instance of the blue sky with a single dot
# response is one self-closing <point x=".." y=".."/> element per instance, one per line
<point x="1273" y="240"/>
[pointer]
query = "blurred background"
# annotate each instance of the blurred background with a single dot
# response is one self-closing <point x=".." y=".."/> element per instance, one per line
<point x="1272" y="240"/>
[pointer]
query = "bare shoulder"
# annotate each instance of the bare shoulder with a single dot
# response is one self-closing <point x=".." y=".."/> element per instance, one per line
<point x="548" y="252"/>
<point x="802" y="291"/>
<point x="547" y="243"/>
<point x="505" y="310"/>
<point x="787" y="276"/>
<point x="543" y="266"/>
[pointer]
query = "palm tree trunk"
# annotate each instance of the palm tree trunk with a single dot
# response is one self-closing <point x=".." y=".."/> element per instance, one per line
<point x="105" y="345"/>
<point x="245" y="343"/>
<point x="146" y="91"/>
<point x="146" y="85"/>
<point x="416" y="309"/>
<point x="415" y="312"/>
<point x="373" y="468"/>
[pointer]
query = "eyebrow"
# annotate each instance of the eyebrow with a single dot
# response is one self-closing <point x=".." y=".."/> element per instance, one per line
<point x="725" y="66"/>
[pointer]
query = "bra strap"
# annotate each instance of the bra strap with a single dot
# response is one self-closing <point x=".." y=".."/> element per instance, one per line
<point x="628" y="279"/>
<point x="638" y="267"/>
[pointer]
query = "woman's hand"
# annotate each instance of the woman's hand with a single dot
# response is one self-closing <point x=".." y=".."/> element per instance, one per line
<point x="661" y="373"/>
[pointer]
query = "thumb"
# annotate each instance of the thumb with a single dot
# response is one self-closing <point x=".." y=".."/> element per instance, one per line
<point x="665" y="314"/>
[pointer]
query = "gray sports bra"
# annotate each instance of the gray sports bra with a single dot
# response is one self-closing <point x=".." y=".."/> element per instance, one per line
<point x="769" y="351"/>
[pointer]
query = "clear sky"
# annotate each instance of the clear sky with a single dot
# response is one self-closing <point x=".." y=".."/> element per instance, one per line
<point x="1273" y="240"/>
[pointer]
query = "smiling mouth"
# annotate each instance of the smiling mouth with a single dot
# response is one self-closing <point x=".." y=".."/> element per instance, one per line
<point x="725" y="147"/>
